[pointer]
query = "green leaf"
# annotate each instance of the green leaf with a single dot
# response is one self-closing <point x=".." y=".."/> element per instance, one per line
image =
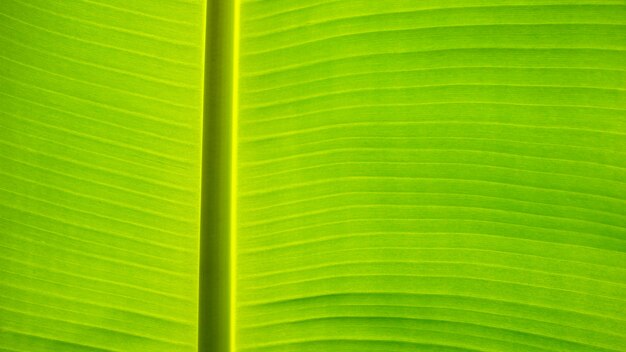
<point x="431" y="176"/>
<point x="100" y="123"/>
<point x="435" y="175"/>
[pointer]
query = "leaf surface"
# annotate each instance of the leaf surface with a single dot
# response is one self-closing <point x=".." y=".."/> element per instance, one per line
<point x="100" y="120"/>
<point x="431" y="176"/>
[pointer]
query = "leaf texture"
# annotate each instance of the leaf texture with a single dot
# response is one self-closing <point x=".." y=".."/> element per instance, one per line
<point x="436" y="175"/>
<point x="431" y="176"/>
<point x="100" y="148"/>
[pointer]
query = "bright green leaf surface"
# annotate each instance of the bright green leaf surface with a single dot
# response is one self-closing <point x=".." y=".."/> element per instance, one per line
<point x="100" y="125"/>
<point x="432" y="176"/>
<point x="435" y="175"/>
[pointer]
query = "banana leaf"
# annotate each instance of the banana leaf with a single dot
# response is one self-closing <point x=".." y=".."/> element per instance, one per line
<point x="319" y="175"/>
